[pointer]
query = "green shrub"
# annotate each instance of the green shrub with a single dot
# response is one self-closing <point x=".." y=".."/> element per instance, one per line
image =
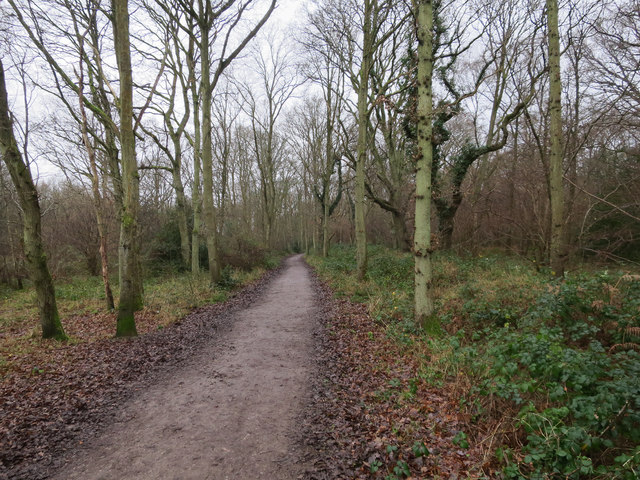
<point x="581" y="401"/>
<point x="556" y="359"/>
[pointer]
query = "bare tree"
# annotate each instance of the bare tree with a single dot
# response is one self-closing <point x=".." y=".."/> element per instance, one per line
<point x="225" y="114"/>
<point x="321" y="166"/>
<point x="219" y="43"/>
<point x="321" y="69"/>
<point x="353" y="45"/>
<point x="277" y="81"/>
<point x="389" y="181"/>
<point x="95" y="188"/>
<point x="28" y="196"/>
<point x="615" y="60"/>
<point x="175" y="115"/>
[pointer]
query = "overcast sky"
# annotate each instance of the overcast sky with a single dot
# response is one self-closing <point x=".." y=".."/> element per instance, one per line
<point x="288" y="15"/>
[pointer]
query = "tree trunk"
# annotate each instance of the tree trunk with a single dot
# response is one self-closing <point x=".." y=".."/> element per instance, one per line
<point x="207" y="162"/>
<point x="511" y="230"/>
<point x="557" y="248"/>
<point x="424" y="307"/>
<point x="445" y="228"/>
<point x="28" y="197"/>
<point x="95" y="188"/>
<point x="16" y="280"/>
<point x="181" y="203"/>
<point x="195" y="190"/>
<point x="328" y="168"/>
<point x="400" y="232"/>
<point x="325" y="228"/>
<point x="363" y="130"/>
<point x="97" y="205"/>
<point x="130" y="294"/>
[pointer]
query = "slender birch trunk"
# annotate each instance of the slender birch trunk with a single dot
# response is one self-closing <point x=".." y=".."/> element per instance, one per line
<point x="181" y="202"/>
<point x="329" y="161"/>
<point x="195" y="190"/>
<point x="97" y="203"/>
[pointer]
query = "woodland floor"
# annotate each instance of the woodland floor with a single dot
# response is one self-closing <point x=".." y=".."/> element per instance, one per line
<point x="280" y="382"/>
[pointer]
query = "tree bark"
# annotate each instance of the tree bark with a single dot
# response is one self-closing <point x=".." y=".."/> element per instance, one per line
<point x="195" y="189"/>
<point x="328" y="169"/>
<point x="28" y="197"/>
<point x="399" y="232"/>
<point x="97" y="206"/>
<point x="207" y="160"/>
<point x="424" y="308"/>
<point x="181" y="205"/>
<point x="130" y="294"/>
<point x="363" y="131"/>
<point x="557" y="249"/>
<point x="95" y="184"/>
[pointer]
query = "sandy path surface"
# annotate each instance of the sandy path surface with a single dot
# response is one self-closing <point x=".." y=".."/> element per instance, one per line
<point x="231" y="412"/>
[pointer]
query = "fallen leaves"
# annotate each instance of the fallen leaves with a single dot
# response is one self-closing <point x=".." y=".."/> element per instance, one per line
<point x="370" y="415"/>
<point x="54" y="396"/>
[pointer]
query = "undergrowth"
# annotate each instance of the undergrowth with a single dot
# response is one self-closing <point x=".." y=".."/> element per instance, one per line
<point x="547" y="372"/>
<point x="81" y="303"/>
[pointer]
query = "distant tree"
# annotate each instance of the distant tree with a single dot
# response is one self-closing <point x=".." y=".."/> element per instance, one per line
<point x="225" y="115"/>
<point x="264" y="104"/>
<point x="615" y="60"/>
<point x="353" y="46"/>
<point x="10" y="270"/>
<point x="28" y="196"/>
<point x="321" y="175"/>
<point x="389" y="181"/>
<point x="95" y="179"/>
<point x="320" y="68"/>
<point x="175" y="117"/>
<point x="219" y="42"/>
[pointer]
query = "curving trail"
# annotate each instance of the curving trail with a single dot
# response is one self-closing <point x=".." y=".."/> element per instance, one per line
<point x="231" y="412"/>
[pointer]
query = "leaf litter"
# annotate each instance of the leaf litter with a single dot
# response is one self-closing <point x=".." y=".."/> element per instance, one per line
<point x="58" y="395"/>
<point x="367" y="414"/>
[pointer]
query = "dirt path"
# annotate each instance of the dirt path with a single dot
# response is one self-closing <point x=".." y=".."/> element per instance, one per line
<point x="231" y="412"/>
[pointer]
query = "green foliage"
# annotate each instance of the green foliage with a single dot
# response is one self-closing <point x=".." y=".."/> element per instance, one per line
<point x="579" y="401"/>
<point x="245" y="253"/>
<point x="227" y="280"/>
<point x="271" y="261"/>
<point x="402" y="469"/>
<point x="164" y="252"/>
<point x="420" y="449"/>
<point x="460" y="439"/>
<point x="79" y="288"/>
<point x="557" y="359"/>
<point x="375" y="466"/>
<point x="388" y="288"/>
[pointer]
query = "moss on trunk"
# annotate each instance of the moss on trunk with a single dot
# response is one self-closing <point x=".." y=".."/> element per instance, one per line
<point x="36" y="258"/>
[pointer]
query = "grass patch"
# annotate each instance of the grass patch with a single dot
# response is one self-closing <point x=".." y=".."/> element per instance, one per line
<point x="81" y="303"/>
